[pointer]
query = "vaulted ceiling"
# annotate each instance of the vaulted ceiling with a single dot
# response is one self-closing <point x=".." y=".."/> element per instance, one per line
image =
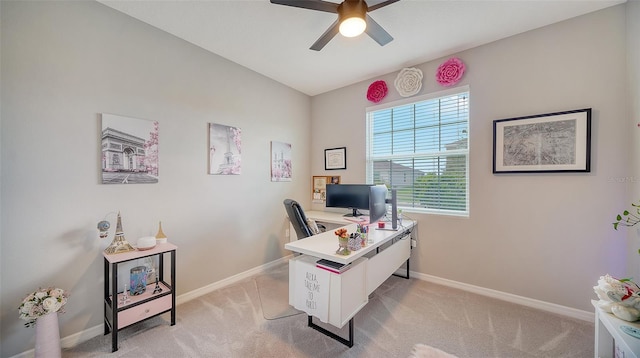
<point x="274" y="40"/>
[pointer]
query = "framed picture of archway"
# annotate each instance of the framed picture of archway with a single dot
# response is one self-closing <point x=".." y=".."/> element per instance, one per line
<point x="129" y="150"/>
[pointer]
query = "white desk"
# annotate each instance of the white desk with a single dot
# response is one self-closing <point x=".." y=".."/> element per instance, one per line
<point x="329" y="217"/>
<point x="331" y="220"/>
<point x="346" y="293"/>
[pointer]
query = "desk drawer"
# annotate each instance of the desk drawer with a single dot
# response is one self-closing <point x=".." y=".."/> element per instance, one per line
<point x="138" y="313"/>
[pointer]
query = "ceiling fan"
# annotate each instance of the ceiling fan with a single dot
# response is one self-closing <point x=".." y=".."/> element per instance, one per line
<point x="353" y="18"/>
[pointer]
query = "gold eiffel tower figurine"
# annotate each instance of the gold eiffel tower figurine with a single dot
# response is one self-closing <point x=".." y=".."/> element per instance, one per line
<point x="119" y="243"/>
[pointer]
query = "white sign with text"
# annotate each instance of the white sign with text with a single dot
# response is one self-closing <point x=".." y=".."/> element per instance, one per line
<point x="312" y="290"/>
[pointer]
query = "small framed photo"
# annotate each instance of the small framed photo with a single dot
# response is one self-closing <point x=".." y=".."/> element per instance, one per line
<point x="552" y="142"/>
<point x="335" y="158"/>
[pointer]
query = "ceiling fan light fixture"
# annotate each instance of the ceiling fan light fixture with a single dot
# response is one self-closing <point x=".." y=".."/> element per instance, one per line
<point x="352" y="26"/>
<point x="351" y="15"/>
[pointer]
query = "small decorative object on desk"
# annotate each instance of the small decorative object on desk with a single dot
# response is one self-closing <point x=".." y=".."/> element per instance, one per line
<point x="362" y="230"/>
<point x="41" y="308"/>
<point x="146" y="243"/>
<point x="161" y="238"/>
<point x="138" y="280"/>
<point x="355" y="242"/>
<point x="618" y="296"/>
<point x="343" y="241"/>
<point x="124" y="298"/>
<point x="103" y="228"/>
<point x="157" y="289"/>
<point x="119" y="243"/>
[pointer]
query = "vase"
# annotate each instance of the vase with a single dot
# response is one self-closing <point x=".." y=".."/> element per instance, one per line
<point x="48" y="336"/>
<point x="343" y="248"/>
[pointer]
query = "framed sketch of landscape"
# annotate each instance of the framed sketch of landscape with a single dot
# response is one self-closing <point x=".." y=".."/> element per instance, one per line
<point x="552" y="142"/>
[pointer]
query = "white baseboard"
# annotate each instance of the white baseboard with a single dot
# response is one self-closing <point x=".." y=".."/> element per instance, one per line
<point x="228" y="281"/>
<point x="85" y="335"/>
<point x="521" y="300"/>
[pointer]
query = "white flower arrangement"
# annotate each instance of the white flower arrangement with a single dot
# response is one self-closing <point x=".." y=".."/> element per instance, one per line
<point x="42" y="302"/>
<point x="408" y="82"/>
<point x="618" y="296"/>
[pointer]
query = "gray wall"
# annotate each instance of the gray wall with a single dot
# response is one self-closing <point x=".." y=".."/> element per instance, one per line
<point x="543" y="236"/>
<point x="633" y="78"/>
<point x="64" y="63"/>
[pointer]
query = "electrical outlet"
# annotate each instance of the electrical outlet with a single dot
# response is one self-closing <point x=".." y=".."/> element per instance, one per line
<point x="286" y="233"/>
<point x="414" y="243"/>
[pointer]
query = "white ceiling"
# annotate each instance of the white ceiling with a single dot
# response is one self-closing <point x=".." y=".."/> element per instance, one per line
<point x="274" y="40"/>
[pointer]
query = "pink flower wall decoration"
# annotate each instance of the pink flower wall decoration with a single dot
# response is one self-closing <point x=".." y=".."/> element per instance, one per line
<point x="450" y="72"/>
<point x="377" y="91"/>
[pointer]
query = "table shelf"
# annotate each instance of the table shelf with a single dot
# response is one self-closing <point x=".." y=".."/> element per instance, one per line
<point x="138" y="307"/>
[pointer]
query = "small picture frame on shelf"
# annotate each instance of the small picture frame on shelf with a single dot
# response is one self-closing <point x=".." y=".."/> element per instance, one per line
<point x="335" y="158"/>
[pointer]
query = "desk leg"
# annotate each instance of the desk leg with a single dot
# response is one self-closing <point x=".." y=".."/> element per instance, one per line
<point x="173" y="287"/>
<point x="348" y="343"/>
<point x="407" y="275"/>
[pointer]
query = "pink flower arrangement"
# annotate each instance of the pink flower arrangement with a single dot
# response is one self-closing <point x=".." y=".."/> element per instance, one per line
<point x="450" y="72"/>
<point x="377" y="91"/>
<point x="42" y="302"/>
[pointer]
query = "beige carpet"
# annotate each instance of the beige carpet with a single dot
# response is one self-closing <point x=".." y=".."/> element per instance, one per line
<point x="425" y="351"/>
<point x="401" y="313"/>
<point x="273" y="290"/>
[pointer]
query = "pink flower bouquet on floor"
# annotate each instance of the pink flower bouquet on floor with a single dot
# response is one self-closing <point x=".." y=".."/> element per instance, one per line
<point x="42" y="302"/>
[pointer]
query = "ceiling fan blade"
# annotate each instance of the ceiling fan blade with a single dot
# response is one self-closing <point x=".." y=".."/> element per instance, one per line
<point x="378" y="4"/>
<point x="326" y="37"/>
<point x="310" y="4"/>
<point x="376" y="32"/>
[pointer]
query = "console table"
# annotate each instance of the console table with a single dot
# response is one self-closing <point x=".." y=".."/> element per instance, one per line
<point x="611" y="341"/>
<point x="117" y="314"/>
<point x="337" y="298"/>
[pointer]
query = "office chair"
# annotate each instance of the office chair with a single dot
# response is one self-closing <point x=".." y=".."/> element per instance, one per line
<point x="298" y="219"/>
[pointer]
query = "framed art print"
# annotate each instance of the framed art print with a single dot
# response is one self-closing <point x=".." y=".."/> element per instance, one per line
<point x="280" y="161"/>
<point x="335" y="158"/>
<point x="225" y="149"/>
<point x="552" y="142"/>
<point x="129" y="150"/>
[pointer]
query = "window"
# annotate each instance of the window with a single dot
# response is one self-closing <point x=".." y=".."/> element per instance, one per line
<point x="420" y="148"/>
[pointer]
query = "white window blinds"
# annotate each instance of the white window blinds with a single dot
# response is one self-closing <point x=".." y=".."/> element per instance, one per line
<point x="421" y="149"/>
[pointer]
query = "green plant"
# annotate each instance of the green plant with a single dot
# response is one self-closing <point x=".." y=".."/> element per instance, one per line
<point x="628" y="218"/>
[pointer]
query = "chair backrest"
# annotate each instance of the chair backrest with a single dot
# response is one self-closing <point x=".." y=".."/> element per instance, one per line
<point x="297" y="218"/>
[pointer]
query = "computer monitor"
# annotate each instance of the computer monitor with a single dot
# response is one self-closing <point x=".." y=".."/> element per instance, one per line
<point x="378" y="207"/>
<point x="377" y="202"/>
<point x="350" y="196"/>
